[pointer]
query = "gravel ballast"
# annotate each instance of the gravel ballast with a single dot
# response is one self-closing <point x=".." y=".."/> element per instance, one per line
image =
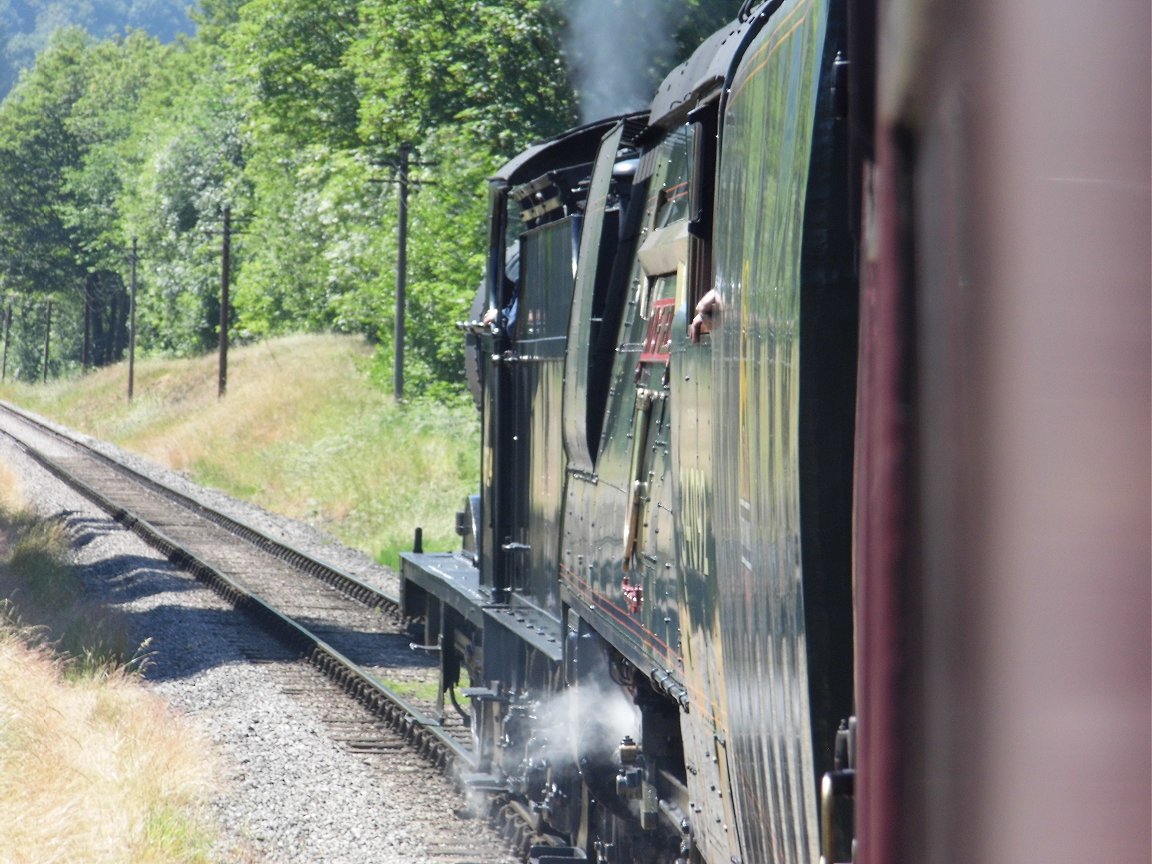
<point x="288" y="791"/>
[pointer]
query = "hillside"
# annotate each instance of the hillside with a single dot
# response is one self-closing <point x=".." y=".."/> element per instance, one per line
<point x="26" y="27"/>
<point x="302" y="431"/>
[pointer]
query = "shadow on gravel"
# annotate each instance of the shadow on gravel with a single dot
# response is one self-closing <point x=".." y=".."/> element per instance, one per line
<point x="125" y="579"/>
<point x="182" y="642"/>
<point x="182" y="632"/>
<point x="82" y="529"/>
<point x="373" y="649"/>
<point x="182" y="639"/>
<point x="180" y="627"/>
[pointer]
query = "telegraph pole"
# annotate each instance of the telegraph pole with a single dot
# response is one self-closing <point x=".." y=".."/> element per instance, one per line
<point x="86" y="352"/>
<point x="7" y="334"/>
<point x="403" y="165"/>
<point x="225" y="267"/>
<point x="401" y="275"/>
<point x="132" y="324"/>
<point x="47" y="342"/>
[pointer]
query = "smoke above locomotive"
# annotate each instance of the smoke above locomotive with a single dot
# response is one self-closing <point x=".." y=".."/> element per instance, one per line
<point x="613" y="48"/>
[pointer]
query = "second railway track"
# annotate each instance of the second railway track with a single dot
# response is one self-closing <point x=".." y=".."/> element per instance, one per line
<point x="349" y="630"/>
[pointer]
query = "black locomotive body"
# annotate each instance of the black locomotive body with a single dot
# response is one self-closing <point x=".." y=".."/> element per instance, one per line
<point x="651" y="617"/>
<point x="903" y="476"/>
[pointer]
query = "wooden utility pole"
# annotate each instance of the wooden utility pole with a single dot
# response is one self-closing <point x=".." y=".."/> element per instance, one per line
<point x="401" y="275"/>
<point x="225" y="267"/>
<point x="86" y="352"/>
<point x="7" y="334"/>
<point x="403" y="165"/>
<point x="47" y="342"/>
<point x="132" y="325"/>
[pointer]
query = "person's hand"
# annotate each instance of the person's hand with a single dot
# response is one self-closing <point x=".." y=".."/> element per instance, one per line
<point x="706" y="311"/>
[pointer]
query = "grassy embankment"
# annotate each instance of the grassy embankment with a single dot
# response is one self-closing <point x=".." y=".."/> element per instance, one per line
<point x="301" y="431"/>
<point x="92" y="766"/>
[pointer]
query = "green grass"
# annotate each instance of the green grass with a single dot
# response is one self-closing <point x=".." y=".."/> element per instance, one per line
<point x="301" y="431"/>
<point x="426" y="691"/>
<point x="174" y="833"/>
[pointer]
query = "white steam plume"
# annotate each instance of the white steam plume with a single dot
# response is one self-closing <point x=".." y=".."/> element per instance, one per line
<point x="613" y="47"/>
<point x="589" y="720"/>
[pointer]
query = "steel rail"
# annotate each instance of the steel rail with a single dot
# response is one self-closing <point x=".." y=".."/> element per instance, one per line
<point x="325" y="572"/>
<point x="423" y="732"/>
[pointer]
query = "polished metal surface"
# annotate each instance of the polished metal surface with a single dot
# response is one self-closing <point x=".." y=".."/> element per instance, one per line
<point x="765" y="153"/>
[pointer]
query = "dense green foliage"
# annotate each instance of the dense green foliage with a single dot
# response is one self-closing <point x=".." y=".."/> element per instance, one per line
<point x="292" y="114"/>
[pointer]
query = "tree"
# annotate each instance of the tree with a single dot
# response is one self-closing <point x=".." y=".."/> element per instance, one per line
<point x="36" y="149"/>
<point x="313" y="217"/>
<point x="291" y="53"/>
<point x="38" y="249"/>
<point x="468" y="85"/>
<point x="494" y="67"/>
<point x="120" y="75"/>
<point x="190" y="151"/>
<point x="28" y="27"/>
<point x="315" y="243"/>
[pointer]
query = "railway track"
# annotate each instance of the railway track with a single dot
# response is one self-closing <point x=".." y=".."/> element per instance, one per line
<point x="350" y="631"/>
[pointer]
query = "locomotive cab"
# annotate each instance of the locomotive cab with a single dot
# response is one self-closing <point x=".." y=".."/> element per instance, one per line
<point x="492" y="610"/>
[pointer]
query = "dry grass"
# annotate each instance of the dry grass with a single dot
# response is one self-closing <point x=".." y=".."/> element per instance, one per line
<point x="11" y="489"/>
<point x="42" y="595"/>
<point x="301" y="431"/>
<point x="93" y="767"/>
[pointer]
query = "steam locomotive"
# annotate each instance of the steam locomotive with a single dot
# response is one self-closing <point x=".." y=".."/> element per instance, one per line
<point x="745" y="400"/>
